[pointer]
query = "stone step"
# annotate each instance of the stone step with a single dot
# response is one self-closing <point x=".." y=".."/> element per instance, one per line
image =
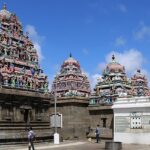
<point x="23" y="125"/>
<point x="23" y="128"/>
<point x="11" y="122"/>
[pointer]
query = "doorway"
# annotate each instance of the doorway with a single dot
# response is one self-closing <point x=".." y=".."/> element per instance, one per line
<point x="104" y="122"/>
<point x="26" y="115"/>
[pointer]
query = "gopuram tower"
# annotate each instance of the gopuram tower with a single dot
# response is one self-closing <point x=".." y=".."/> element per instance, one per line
<point x="72" y="88"/>
<point x="139" y="85"/>
<point x="24" y="99"/>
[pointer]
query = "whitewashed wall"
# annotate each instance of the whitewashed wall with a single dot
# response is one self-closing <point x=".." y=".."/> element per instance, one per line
<point x="124" y="111"/>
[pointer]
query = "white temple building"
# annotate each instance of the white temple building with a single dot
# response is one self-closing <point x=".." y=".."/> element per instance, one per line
<point x="132" y="120"/>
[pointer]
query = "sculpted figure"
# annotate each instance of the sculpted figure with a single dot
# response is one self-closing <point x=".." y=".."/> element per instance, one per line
<point x="46" y="87"/>
<point x="17" y="82"/>
<point x="13" y="83"/>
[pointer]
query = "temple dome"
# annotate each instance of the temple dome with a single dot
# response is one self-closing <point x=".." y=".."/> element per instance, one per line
<point x="5" y="13"/>
<point x="70" y="60"/>
<point x="71" y="81"/>
<point x="139" y="75"/>
<point x="114" y="67"/>
<point x="70" y="65"/>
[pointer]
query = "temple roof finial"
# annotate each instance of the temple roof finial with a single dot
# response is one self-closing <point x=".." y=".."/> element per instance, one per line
<point x="4" y="6"/>
<point x="113" y="57"/>
<point x="138" y="70"/>
<point x="70" y="55"/>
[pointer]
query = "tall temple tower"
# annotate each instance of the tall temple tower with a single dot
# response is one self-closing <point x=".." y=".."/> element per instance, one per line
<point x="24" y="99"/>
<point x="72" y="88"/>
<point x="19" y="66"/>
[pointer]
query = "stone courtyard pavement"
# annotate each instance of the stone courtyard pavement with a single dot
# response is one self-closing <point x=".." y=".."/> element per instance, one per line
<point x="73" y="145"/>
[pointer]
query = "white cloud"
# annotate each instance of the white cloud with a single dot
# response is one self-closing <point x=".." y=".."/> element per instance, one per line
<point x="39" y="52"/>
<point x="36" y="39"/>
<point x="120" y="41"/>
<point x="122" y="8"/>
<point x="94" y="80"/>
<point x="57" y="67"/>
<point x="142" y="32"/>
<point x="101" y="66"/>
<point x="132" y="59"/>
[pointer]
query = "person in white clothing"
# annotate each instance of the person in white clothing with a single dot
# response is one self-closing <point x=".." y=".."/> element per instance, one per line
<point x="31" y="137"/>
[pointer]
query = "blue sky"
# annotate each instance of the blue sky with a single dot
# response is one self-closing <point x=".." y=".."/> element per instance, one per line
<point x="92" y="30"/>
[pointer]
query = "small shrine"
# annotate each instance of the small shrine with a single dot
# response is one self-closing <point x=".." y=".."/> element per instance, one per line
<point x="71" y="81"/>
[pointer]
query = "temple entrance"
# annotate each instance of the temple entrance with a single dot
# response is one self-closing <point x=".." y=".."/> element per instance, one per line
<point x="26" y="115"/>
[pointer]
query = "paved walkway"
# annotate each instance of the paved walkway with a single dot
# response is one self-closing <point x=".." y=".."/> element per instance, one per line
<point x="73" y="145"/>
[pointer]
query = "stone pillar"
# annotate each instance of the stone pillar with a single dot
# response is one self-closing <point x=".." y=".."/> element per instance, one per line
<point x="0" y="112"/>
<point x="7" y="111"/>
<point x="29" y="116"/>
<point x="17" y="114"/>
<point x="20" y="114"/>
<point x="14" y="113"/>
<point x="33" y="114"/>
<point x="42" y="114"/>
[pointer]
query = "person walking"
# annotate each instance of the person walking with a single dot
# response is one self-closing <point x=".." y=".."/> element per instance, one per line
<point x="31" y="137"/>
<point x="97" y="132"/>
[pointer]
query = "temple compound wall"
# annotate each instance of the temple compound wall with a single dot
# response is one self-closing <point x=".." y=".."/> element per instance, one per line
<point x="132" y="120"/>
<point x="75" y="117"/>
<point x="79" y="119"/>
<point x="102" y="115"/>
